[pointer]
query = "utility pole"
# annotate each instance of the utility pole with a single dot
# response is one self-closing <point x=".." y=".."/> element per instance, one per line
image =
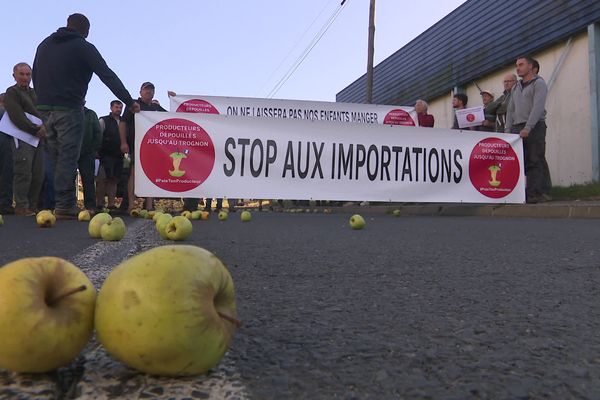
<point x="370" y="52"/>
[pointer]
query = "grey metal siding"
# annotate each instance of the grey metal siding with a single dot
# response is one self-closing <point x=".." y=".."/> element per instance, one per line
<point x="477" y="38"/>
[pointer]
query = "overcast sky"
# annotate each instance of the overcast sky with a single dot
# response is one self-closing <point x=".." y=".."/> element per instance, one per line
<point x="222" y="48"/>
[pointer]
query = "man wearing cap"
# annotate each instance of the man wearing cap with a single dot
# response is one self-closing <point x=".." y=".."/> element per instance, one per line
<point x="127" y="134"/>
<point x="488" y="124"/>
<point x="62" y="69"/>
<point x="496" y="110"/>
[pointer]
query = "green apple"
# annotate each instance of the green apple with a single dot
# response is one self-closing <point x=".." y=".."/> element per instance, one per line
<point x="96" y="224"/>
<point x="396" y="213"/>
<point x="168" y="311"/>
<point x="1" y="220"/>
<point x="156" y="215"/>
<point x="151" y="214"/>
<point x="84" y="215"/>
<point x="223" y="215"/>
<point x="187" y="214"/>
<point x="113" y="230"/>
<point x="46" y="314"/>
<point x="357" y="222"/>
<point x="135" y="213"/>
<point x="161" y="225"/>
<point x="179" y="228"/>
<point x="196" y="214"/>
<point x="143" y="213"/>
<point x="45" y="219"/>
<point x="245" y="216"/>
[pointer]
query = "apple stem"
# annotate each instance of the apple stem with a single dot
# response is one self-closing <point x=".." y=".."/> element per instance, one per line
<point x="66" y="294"/>
<point x="234" y="321"/>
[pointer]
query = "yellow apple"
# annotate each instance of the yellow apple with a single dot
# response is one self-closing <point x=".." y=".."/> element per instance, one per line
<point x="168" y="311"/>
<point x="113" y="230"/>
<point x="357" y="222"/>
<point x="179" y="228"/>
<point x="45" y="219"/>
<point x="96" y="224"/>
<point x="46" y="313"/>
<point x="84" y="215"/>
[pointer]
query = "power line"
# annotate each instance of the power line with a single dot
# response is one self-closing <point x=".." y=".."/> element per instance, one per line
<point x="307" y="51"/>
<point x="294" y="47"/>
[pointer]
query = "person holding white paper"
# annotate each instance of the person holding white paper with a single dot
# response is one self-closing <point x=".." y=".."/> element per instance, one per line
<point x="28" y="167"/>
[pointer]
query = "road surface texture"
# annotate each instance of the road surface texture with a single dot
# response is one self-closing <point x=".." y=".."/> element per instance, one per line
<point x="407" y="308"/>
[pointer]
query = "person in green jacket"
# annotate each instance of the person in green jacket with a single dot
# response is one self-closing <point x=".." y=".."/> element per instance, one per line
<point x="28" y="170"/>
<point x="92" y="140"/>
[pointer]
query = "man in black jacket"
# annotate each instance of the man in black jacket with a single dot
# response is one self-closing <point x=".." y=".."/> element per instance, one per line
<point x="62" y="69"/>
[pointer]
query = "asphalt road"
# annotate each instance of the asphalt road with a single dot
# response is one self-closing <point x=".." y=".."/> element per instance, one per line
<point x="410" y="307"/>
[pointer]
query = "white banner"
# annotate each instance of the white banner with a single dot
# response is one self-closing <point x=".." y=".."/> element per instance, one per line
<point x="296" y="109"/>
<point x="203" y="155"/>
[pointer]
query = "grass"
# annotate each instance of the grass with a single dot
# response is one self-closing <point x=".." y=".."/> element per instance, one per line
<point x="587" y="191"/>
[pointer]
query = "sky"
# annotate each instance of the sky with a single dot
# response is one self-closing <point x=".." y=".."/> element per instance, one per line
<point x="223" y="48"/>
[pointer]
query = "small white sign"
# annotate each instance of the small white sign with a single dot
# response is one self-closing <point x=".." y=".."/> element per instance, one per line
<point x="467" y="117"/>
<point x="7" y="126"/>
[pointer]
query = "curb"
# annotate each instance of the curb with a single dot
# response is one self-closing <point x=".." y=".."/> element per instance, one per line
<point x="546" y="210"/>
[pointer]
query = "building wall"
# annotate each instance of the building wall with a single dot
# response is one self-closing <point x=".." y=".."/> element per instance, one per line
<point x="569" y="137"/>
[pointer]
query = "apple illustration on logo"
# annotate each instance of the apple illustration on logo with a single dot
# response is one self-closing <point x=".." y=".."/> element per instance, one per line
<point x="357" y="222"/>
<point x="168" y="311"/>
<point x="246" y="216"/>
<point x="223" y="215"/>
<point x="84" y="215"/>
<point x="113" y="230"/>
<point x="45" y="219"/>
<point x="179" y="228"/>
<point x="46" y="313"/>
<point x="96" y="224"/>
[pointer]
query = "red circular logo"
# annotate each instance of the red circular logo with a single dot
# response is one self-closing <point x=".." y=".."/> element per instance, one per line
<point x="197" y="106"/>
<point x="177" y="155"/>
<point x="398" y="117"/>
<point x="494" y="168"/>
<point x="470" y="117"/>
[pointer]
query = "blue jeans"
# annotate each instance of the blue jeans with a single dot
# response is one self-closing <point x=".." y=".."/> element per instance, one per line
<point x="64" y="138"/>
<point x="6" y="171"/>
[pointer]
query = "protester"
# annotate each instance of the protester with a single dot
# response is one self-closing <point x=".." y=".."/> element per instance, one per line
<point x="526" y="116"/>
<point x="425" y="120"/>
<point x="6" y="168"/>
<point x="495" y="112"/>
<point x="111" y="157"/>
<point x="488" y="124"/>
<point x="127" y="136"/>
<point x="62" y="69"/>
<point x="92" y="140"/>
<point x="28" y="167"/>
<point x="459" y="102"/>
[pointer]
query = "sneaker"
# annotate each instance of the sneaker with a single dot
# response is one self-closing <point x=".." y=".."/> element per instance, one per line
<point x="24" y="212"/>
<point x="71" y="213"/>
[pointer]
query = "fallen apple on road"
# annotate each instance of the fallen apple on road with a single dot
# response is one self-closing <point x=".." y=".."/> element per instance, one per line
<point x="96" y="224"/>
<point x="135" y="213"/>
<point x="46" y="313"/>
<point x="1" y="220"/>
<point x="196" y="214"/>
<point x="187" y="214"/>
<point x="161" y="225"/>
<point x="168" y="311"/>
<point x="84" y="215"/>
<point x="45" y="219"/>
<point x="179" y="228"/>
<point x="156" y="215"/>
<point x="396" y="213"/>
<point x="204" y="215"/>
<point x="113" y="230"/>
<point x="245" y="216"/>
<point x="223" y="215"/>
<point x="357" y="222"/>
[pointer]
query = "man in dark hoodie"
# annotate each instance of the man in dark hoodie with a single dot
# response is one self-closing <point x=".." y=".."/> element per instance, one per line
<point x="62" y="69"/>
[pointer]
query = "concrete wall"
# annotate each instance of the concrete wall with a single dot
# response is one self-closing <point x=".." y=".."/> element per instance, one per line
<point x="569" y="138"/>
